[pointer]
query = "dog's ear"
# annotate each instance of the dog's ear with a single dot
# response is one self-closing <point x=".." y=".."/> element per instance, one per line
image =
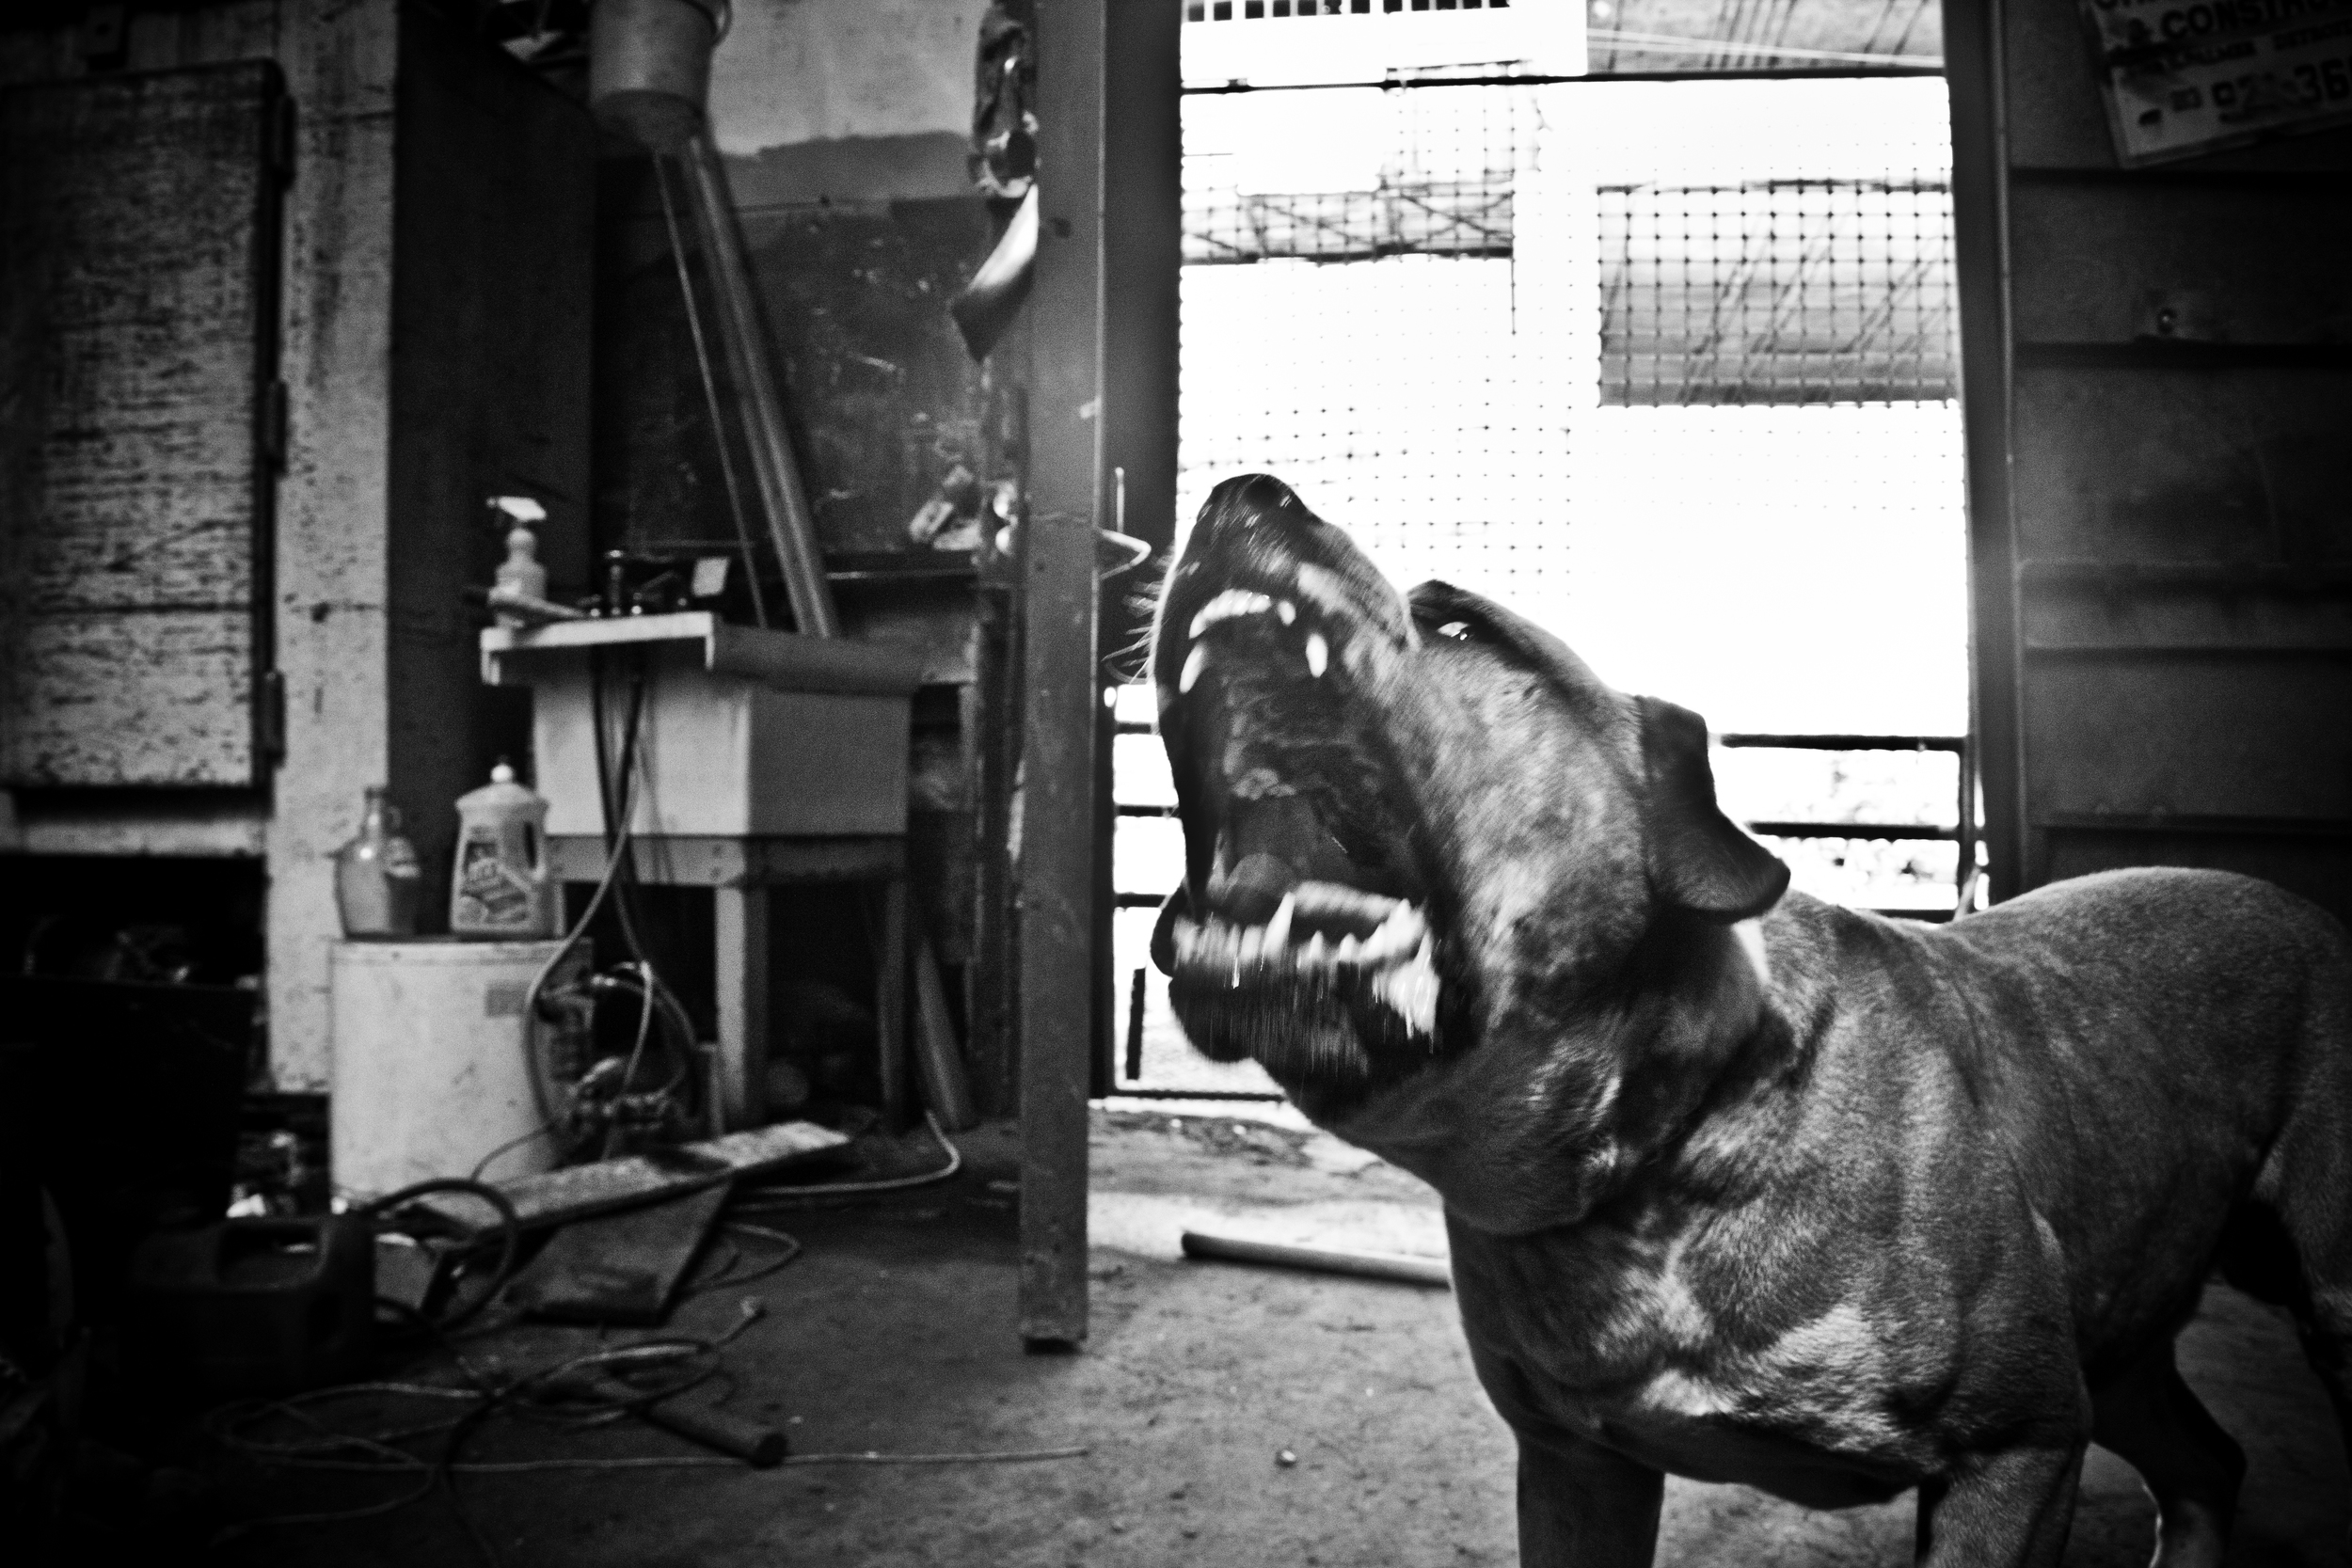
<point x="1698" y="857"/>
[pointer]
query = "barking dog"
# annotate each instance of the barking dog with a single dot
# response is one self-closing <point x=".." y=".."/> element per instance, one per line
<point x="1741" y="1186"/>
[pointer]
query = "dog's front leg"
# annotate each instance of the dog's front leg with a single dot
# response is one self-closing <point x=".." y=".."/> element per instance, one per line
<point x="2011" y="1508"/>
<point x="1583" y="1506"/>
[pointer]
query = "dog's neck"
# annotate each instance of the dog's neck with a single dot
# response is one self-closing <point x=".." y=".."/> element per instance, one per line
<point x="1537" y="1128"/>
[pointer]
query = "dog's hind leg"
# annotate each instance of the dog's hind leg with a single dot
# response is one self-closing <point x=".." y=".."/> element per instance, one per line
<point x="2149" y="1418"/>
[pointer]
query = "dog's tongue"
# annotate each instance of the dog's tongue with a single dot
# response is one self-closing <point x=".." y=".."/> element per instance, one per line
<point x="1255" y="891"/>
<point x="1250" y="892"/>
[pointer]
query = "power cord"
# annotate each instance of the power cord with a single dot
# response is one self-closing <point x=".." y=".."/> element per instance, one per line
<point x="758" y="1199"/>
<point x="509" y="1231"/>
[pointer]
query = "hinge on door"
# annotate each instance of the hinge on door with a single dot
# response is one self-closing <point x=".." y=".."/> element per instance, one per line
<point x="269" y="418"/>
<point x="269" y="718"/>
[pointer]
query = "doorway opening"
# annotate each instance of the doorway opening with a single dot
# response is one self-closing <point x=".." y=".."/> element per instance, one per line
<point x="1641" y="323"/>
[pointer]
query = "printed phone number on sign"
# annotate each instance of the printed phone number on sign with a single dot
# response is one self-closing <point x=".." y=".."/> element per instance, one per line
<point x="2260" y="93"/>
<point x="2227" y="91"/>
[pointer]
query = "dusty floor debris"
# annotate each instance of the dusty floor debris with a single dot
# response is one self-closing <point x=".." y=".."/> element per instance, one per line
<point x="1229" y="1415"/>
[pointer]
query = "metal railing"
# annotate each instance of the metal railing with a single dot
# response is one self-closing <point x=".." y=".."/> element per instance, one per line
<point x="1962" y="833"/>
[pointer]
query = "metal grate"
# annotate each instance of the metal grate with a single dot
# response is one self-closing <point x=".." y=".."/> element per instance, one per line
<point x="1430" y="217"/>
<point x="1424" y="174"/>
<point x="1780" y="292"/>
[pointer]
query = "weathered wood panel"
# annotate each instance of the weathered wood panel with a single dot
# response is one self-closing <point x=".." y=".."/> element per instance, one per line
<point x="137" y="219"/>
<point x="2183" y="464"/>
<point x="2098" y="262"/>
<point x="2198" y="610"/>
<point x="2158" y="493"/>
<point x="2245" y="733"/>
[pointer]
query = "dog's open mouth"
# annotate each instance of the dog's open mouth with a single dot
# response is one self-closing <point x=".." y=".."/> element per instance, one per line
<point x="1303" y="935"/>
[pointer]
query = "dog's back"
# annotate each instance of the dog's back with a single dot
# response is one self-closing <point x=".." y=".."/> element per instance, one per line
<point x="2167" y="1053"/>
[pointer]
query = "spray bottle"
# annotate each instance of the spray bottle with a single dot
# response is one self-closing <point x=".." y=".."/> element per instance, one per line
<point x="520" y="576"/>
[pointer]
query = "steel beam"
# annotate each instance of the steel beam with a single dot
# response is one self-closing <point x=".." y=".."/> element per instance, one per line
<point x="1053" y="825"/>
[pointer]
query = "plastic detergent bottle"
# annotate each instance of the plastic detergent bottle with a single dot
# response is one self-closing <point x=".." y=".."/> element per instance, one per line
<point x="502" y="889"/>
<point x="379" y="884"/>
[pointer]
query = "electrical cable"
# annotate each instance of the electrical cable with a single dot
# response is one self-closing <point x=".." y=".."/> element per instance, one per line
<point x="543" y="1395"/>
<point x="543" y="1083"/>
<point x="754" y="1200"/>
<point x="644" y="1024"/>
<point x="662" y="1006"/>
<point x="490" y="1159"/>
<point x="547" y="1393"/>
<point x="734" y="1275"/>
<point x="509" y="1233"/>
<point x="619" y="793"/>
<point x="616" y="788"/>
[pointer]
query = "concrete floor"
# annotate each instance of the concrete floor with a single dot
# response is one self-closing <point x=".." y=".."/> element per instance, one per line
<point x="894" y="1332"/>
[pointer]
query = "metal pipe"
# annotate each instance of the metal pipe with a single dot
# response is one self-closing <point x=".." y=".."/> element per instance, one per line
<point x="786" y="503"/>
<point x="1367" y="1265"/>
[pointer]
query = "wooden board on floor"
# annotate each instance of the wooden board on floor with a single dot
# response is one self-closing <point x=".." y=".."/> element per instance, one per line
<point x="607" y="1186"/>
<point x="619" y="1268"/>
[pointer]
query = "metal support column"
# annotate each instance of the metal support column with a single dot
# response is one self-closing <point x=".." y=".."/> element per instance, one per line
<point x="1054" y="821"/>
<point x="1973" y="66"/>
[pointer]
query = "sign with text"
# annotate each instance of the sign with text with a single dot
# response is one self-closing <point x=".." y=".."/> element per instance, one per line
<point x="2183" y="78"/>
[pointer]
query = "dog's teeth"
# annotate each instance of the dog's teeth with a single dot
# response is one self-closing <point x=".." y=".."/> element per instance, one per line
<point x="1233" y="602"/>
<point x="1252" y="944"/>
<point x="1286" y="609"/>
<point x="1351" y="951"/>
<point x="1318" y="655"/>
<point x="1278" y="930"/>
<point x="1195" y="662"/>
<point x="1410" y="989"/>
<point x="1399" y="930"/>
<point x="1316" y="954"/>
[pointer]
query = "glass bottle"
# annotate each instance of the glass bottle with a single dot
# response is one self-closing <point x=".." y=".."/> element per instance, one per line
<point x="379" y="884"/>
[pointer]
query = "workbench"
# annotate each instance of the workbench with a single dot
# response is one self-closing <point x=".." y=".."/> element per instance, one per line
<point x="763" y="760"/>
